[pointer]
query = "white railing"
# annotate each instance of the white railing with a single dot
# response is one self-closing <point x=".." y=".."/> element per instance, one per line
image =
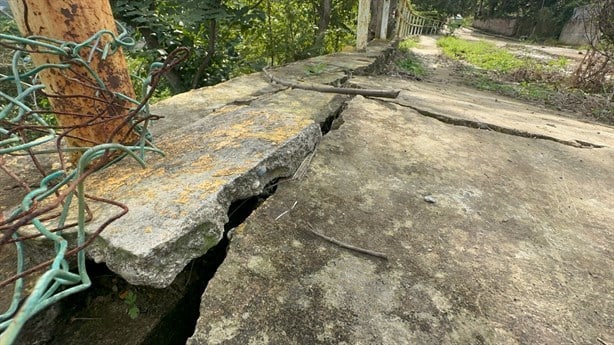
<point x="409" y="23"/>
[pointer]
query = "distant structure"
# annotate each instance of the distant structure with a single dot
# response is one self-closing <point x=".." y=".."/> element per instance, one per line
<point x="580" y="28"/>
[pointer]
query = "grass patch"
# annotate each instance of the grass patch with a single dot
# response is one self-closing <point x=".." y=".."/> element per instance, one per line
<point x="413" y="66"/>
<point x="407" y="44"/>
<point x="489" y="57"/>
<point x="554" y="95"/>
<point x="545" y="81"/>
<point x="480" y="53"/>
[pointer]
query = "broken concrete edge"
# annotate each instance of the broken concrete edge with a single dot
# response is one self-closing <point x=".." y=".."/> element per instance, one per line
<point x="490" y="223"/>
<point x="200" y="229"/>
<point x="204" y="229"/>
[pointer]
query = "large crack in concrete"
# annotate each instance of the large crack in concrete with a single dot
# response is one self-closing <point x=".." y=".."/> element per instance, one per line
<point x="167" y="316"/>
<point x="492" y="127"/>
<point x="84" y="315"/>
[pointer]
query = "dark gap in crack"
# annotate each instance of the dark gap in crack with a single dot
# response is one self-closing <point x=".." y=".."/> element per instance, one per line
<point x="492" y="127"/>
<point x="166" y="316"/>
<point x="187" y="317"/>
<point x="334" y="120"/>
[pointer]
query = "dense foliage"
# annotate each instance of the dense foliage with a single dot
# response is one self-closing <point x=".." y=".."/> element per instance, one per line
<point x="227" y="38"/>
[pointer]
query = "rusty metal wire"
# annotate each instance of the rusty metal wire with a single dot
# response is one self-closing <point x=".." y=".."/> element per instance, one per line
<point x="58" y="204"/>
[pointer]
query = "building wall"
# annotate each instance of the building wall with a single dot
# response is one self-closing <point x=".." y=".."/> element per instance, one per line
<point x="502" y="26"/>
<point x="579" y="28"/>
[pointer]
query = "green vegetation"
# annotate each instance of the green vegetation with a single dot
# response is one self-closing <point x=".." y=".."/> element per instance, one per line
<point x="550" y="82"/>
<point x="412" y="65"/>
<point x="129" y="298"/>
<point x="479" y="53"/>
<point x="229" y="38"/>
<point x="407" y="44"/>
<point x="407" y="61"/>
<point x="487" y="56"/>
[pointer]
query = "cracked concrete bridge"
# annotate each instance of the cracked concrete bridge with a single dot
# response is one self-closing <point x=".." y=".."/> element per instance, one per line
<point x="493" y="219"/>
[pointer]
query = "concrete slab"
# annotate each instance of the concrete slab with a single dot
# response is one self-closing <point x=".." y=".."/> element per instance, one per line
<point x="178" y="203"/>
<point x="222" y="143"/>
<point x="491" y="238"/>
<point x="188" y="107"/>
<point x="484" y="109"/>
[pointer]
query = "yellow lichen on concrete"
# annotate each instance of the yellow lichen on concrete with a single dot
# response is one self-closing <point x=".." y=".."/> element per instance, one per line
<point x="230" y="171"/>
<point x="226" y="143"/>
<point x="189" y="194"/>
<point x="209" y="186"/>
<point x="184" y="196"/>
<point x="258" y="125"/>
<point x="282" y="133"/>
<point x="239" y="229"/>
<point x="203" y="163"/>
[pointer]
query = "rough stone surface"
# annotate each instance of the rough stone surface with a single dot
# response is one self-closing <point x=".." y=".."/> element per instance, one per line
<point x="515" y="250"/>
<point x="490" y="111"/>
<point x="222" y="144"/>
<point x="178" y="203"/>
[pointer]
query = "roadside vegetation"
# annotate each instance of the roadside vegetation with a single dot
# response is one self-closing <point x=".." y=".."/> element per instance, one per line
<point x="549" y="81"/>
<point x="407" y="64"/>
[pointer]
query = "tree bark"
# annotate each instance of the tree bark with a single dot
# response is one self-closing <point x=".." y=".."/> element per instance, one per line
<point x="91" y="111"/>
<point x="210" y="52"/>
<point x="324" y="12"/>
<point x="362" y="29"/>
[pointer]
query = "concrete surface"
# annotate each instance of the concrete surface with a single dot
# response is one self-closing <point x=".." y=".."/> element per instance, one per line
<point x="495" y="216"/>
<point x="222" y="144"/>
<point x="491" y="238"/>
<point x="470" y="107"/>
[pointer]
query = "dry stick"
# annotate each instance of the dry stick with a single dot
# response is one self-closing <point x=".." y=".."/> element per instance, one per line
<point x="286" y="211"/>
<point x="602" y="341"/>
<point x="347" y="246"/>
<point x="331" y="89"/>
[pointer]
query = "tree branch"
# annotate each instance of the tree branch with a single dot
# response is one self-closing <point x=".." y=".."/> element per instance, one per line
<point x="331" y="89"/>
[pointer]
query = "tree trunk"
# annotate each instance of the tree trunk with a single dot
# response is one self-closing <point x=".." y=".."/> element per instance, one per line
<point x="210" y="52"/>
<point x="87" y="108"/>
<point x="383" y="33"/>
<point x="324" y="13"/>
<point x="362" y="29"/>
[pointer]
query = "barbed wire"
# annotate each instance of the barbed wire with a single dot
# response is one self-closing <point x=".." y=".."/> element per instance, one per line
<point x="59" y="201"/>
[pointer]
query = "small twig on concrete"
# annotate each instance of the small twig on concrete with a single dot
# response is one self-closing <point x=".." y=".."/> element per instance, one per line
<point x="286" y="211"/>
<point x="603" y="342"/>
<point x="345" y="245"/>
<point x="302" y="169"/>
<point x="331" y="89"/>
